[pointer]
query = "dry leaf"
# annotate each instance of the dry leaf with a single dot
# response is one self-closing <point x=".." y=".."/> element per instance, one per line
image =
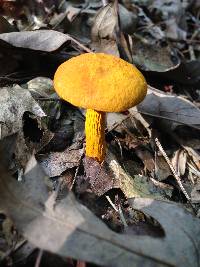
<point x="176" y="222"/>
<point x="55" y="163"/>
<point x="103" y="31"/>
<point x="147" y="158"/>
<point x="41" y="86"/>
<point x="174" y="109"/>
<point x="162" y="170"/>
<point x="42" y="40"/>
<point x="69" y="229"/>
<point x="111" y="175"/>
<point x="179" y="161"/>
<point x="107" y="33"/>
<point x="147" y="57"/>
<point x="14" y="101"/>
<point x="172" y="13"/>
<point x="137" y="186"/>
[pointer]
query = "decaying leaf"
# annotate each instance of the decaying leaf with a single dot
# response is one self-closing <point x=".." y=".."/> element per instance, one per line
<point x="147" y="159"/>
<point x="147" y="57"/>
<point x="111" y="175"/>
<point x="179" y="161"/>
<point x="55" y="163"/>
<point x="174" y="110"/>
<point x="22" y="152"/>
<point x="69" y="229"/>
<point x="154" y="164"/>
<point x="162" y="170"/>
<point x="103" y="31"/>
<point x="172" y="14"/>
<point x="171" y="110"/>
<point x="14" y="102"/>
<point x="41" y="86"/>
<point x="106" y="20"/>
<point x="114" y="119"/>
<point x="41" y="40"/>
<point x="170" y="216"/>
<point x="107" y="35"/>
<point x="137" y="186"/>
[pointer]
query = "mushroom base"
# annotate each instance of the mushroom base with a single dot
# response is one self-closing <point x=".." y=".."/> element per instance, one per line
<point x="95" y="134"/>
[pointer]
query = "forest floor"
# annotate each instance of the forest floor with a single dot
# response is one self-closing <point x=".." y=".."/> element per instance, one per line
<point x="141" y="206"/>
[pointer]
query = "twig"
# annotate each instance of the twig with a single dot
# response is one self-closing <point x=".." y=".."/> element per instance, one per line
<point x="76" y="173"/>
<point x="81" y="45"/>
<point x="111" y="203"/>
<point x="191" y="52"/>
<point x="119" y="210"/>
<point x="172" y="168"/>
<point x="104" y="2"/>
<point x="122" y="216"/>
<point x="120" y="147"/>
<point x="161" y="185"/>
<point x="39" y="257"/>
<point x="175" y="174"/>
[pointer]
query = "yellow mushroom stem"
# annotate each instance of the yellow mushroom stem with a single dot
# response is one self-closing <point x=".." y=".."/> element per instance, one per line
<point x="95" y="134"/>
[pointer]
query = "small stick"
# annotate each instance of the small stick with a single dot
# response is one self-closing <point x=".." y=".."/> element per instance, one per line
<point x="74" y="179"/>
<point x="172" y="168"/>
<point x="81" y="45"/>
<point x="119" y="210"/>
<point x="104" y="2"/>
<point x="122" y="216"/>
<point x="111" y="203"/>
<point x="39" y="257"/>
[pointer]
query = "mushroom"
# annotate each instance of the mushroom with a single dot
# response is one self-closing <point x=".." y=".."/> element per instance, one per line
<point x="99" y="83"/>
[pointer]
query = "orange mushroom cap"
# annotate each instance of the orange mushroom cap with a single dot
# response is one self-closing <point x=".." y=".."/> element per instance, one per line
<point x="100" y="82"/>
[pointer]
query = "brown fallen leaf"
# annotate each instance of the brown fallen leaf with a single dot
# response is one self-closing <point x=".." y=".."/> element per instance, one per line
<point x="179" y="161"/>
<point x="147" y="158"/>
<point x="146" y="56"/>
<point x="162" y="170"/>
<point x="107" y="32"/>
<point x="173" y="15"/>
<point x="69" y="229"/>
<point x="42" y="40"/>
<point x="100" y="178"/>
<point x="171" y="110"/>
<point x="15" y="101"/>
<point x="55" y="163"/>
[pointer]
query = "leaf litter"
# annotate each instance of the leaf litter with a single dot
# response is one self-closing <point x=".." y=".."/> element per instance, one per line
<point x="142" y="190"/>
<point x="77" y="227"/>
